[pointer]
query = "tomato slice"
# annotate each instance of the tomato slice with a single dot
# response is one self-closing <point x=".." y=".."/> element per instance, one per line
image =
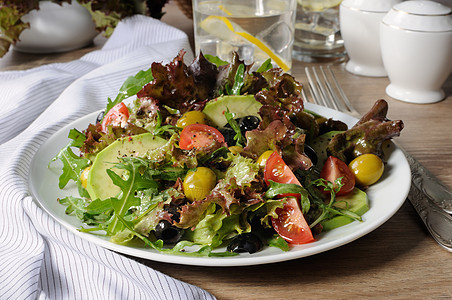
<point x="116" y="116"/>
<point x="199" y="136"/>
<point x="335" y="168"/>
<point x="277" y="170"/>
<point x="291" y="224"/>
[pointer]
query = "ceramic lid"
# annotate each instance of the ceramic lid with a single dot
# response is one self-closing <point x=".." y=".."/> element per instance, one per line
<point x="425" y="16"/>
<point x="382" y="6"/>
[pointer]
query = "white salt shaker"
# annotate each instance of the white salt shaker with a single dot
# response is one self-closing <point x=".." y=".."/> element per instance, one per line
<point x="416" y="45"/>
<point x="360" y="29"/>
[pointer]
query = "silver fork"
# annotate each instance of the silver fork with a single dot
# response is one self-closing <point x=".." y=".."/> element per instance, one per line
<point x="431" y="199"/>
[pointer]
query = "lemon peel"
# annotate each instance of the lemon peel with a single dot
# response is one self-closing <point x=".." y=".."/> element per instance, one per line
<point x="210" y="24"/>
<point x="225" y="10"/>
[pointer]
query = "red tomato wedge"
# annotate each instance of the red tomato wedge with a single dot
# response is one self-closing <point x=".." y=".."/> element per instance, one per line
<point x="291" y="225"/>
<point x="199" y="136"/>
<point x="335" y="168"/>
<point x="116" y="116"/>
<point x="277" y="170"/>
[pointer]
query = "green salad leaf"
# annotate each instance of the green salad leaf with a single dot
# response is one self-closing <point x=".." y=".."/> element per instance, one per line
<point x="73" y="165"/>
<point x="131" y="87"/>
<point x="127" y="197"/>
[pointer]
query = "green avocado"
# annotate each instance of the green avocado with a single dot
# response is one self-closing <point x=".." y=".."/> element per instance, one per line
<point x="99" y="185"/>
<point x="319" y="146"/>
<point x="355" y="201"/>
<point x="240" y="105"/>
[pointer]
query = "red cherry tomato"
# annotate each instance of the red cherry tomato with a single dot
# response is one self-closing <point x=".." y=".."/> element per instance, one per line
<point x="335" y="168"/>
<point x="291" y="225"/>
<point x="116" y="116"/>
<point x="277" y="170"/>
<point x="199" y="136"/>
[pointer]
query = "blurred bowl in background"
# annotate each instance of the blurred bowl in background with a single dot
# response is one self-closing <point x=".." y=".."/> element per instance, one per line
<point x="56" y="28"/>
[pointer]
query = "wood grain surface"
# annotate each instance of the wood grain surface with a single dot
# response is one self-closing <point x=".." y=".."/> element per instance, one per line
<point x="399" y="260"/>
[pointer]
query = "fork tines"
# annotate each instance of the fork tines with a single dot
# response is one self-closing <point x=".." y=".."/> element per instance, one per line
<point x="326" y="91"/>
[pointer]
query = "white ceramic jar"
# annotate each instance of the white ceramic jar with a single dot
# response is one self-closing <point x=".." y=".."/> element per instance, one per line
<point x="360" y="29"/>
<point x="416" y="45"/>
<point x="56" y="28"/>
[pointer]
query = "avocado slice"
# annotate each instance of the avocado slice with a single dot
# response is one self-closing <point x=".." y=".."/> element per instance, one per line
<point x="319" y="146"/>
<point x="99" y="184"/>
<point x="240" y="105"/>
<point x="356" y="201"/>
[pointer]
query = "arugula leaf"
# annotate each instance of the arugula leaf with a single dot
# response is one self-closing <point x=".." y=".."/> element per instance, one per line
<point x="131" y="86"/>
<point x="73" y="166"/>
<point x="276" y="189"/>
<point x="216" y="60"/>
<point x="127" y="198"/>
<point x="328" y="210"/>
<point x="75" y="206"/>
<point x="279" y="242"/>
<point x="160" y="130"/>
<point x="238" y="80"/>
<point x="266" y="65"/>
<point x="235" y="126"/>
<point x="77" y="138"/>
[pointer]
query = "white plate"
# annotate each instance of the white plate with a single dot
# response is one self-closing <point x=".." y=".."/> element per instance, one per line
<point x="385" y="199"/>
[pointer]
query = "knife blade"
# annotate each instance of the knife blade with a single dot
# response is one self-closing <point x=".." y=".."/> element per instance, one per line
<point x="431" y="199"/>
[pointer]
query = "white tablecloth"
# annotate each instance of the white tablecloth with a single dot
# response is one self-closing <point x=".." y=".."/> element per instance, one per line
<point x="39" y="258"/>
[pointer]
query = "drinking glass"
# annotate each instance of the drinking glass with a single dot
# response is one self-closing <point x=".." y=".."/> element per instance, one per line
<point x="317" y="31"/>
<point x="255" y="29"/>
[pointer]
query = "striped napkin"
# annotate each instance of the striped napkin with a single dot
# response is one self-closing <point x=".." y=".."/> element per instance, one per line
<point x="39" y="258"/>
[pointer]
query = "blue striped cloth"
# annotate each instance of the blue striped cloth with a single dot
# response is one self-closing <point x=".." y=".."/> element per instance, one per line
<point x="39" y="258"/>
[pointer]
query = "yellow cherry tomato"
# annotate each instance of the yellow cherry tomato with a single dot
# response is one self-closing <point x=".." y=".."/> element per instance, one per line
<point x="84" y="176"/>
<point x="367" y="168"/>
<point x="262" y="160"/>
<point x="191" y="117"/>
<point x="235" y="149"/>
<point x="198" y="183"/>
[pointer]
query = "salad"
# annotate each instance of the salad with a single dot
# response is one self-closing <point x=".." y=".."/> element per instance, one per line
<point x="213" y="159"/>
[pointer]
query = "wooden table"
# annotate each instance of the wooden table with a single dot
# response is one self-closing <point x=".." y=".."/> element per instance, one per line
<point x="398" y="260"/>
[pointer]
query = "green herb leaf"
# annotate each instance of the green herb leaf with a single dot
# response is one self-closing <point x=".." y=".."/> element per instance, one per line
<point x="240" y="140"/>
<point x="74" y="206"/>
<point x="131" y="87"/>
<point x="267" y="65"/>
<point x="279" y="242"/>
<point x="78" y="138"/>
<point x="216" y="60"/>
<point x="127" y="198"/>
<point x="73" y="166"/>
<point x="238" y="80"/>
<point x="276" y="189"/>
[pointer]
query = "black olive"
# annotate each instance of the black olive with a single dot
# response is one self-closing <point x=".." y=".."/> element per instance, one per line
<point x="311" y="154"/>
<point x="173" y="208"/>
<point x="248" y="123"/>
<point x="228" y="134"/>
<point x="100" y="116"/>
<point x="245" y="242"/>
<point x="168" y="233"/>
